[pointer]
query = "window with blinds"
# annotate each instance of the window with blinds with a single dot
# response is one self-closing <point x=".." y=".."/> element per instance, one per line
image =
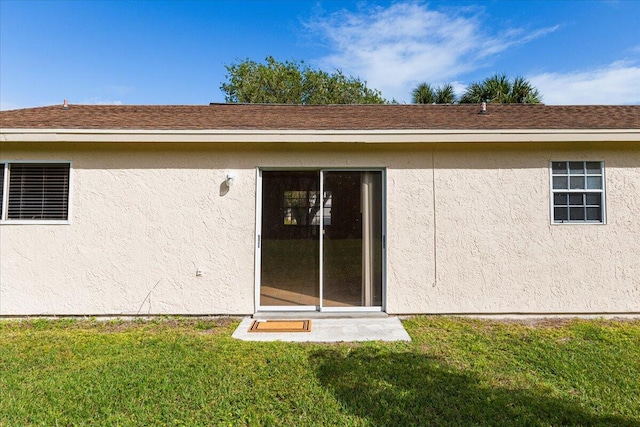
<point x="36" y="191"/>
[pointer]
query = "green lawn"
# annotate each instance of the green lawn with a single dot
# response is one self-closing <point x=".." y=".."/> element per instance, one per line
<point x="190" y="372"/>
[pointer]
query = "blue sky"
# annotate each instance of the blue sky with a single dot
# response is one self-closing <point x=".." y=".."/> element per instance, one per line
<point x="174" y="52"/>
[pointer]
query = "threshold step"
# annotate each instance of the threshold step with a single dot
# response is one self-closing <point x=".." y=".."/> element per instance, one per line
<point x="266" y="315"/>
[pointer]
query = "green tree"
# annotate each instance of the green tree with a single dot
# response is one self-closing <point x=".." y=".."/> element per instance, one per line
<point x="500" y="89"/>
<point x="424" y="93"/>
<point x="293" y="82"/>
<point x="445" y="94"/>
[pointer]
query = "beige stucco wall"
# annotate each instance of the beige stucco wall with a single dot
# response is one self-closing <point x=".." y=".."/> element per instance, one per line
<point x="498" y="252"/>
<point x="145" y="217"/>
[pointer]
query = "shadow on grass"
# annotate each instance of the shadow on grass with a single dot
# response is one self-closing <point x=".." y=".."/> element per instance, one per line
<point x="407" y="389"/>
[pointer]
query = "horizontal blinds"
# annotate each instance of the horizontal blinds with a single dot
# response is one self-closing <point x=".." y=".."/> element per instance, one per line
<point x="38" y="191"/>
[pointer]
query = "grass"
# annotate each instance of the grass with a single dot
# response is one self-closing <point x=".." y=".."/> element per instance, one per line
<point x="190" y="372"/>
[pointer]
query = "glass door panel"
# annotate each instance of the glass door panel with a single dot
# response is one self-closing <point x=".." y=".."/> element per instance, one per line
<point x="352" y="239"/>
<point x="290" y="263"/>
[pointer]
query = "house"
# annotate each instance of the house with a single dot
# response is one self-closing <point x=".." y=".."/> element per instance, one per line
<point x="235" y="209"/>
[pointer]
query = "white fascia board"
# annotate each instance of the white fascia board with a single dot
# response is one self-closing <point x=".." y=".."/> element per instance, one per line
<point x="315" y="136"/>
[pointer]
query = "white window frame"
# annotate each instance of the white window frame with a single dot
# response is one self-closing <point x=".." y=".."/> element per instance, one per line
<point x="601" y="191"/>
<point x="5" y="194"/>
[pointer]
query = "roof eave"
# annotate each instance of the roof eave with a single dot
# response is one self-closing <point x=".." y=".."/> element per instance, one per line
<point x="376" y="136"/>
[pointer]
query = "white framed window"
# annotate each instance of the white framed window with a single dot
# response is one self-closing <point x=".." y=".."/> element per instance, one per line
<point x="577" y="192"/>
<point x="35" y="192"/>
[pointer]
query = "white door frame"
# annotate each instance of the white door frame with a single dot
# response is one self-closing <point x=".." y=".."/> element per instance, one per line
<point x="258" y="243"/>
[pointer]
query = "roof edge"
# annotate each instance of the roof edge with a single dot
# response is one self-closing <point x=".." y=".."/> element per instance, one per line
<point x="384" y="136"/>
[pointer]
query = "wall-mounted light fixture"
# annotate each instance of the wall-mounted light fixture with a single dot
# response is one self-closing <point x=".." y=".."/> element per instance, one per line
<point x="230" y="179"/>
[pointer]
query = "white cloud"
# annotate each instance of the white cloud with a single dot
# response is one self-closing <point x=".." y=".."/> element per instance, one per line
<point x="396" y="47"/>
<point x="617" y="83"/>
<point x="107" y="95"/>
<point x="99" y="101"/>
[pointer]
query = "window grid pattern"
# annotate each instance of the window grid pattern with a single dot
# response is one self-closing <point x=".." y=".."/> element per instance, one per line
<point x="578" y="192"/>
<point x="36" y="191"/>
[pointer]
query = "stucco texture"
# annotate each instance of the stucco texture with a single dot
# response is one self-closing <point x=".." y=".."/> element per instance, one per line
<point x="468" y="229"/>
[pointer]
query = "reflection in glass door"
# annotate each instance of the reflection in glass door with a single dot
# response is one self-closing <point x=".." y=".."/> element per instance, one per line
<point x="352" y="240"/>
<point x="290" y="264"/>
<point x="321" y="239"/>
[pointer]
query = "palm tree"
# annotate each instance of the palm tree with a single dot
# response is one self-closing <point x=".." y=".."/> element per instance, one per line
<point x="476" y="93"/>
<point x="498" y="86"/>
<point x="445" y="94"/>
<point x="500" y="89"/>
<point x="424" y="93"/>
<point x="523" y="92"/>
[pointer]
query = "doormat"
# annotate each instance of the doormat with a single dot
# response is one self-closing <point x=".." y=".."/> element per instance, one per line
<point x="280" y="326"/>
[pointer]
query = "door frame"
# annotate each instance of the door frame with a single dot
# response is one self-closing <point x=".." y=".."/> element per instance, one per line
<point x="258" y="243"/>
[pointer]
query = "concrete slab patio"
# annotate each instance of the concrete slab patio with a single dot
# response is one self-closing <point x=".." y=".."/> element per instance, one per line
<point x="332" y="330"/>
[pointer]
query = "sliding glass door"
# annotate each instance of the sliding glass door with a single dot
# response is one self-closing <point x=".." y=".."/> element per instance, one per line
<point x="352" y="240"/>
<point x="290" y="247"/>
<point x="321" y="240"/>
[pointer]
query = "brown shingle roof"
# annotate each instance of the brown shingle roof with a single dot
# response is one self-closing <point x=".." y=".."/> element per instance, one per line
<point x="322" y="117"/>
